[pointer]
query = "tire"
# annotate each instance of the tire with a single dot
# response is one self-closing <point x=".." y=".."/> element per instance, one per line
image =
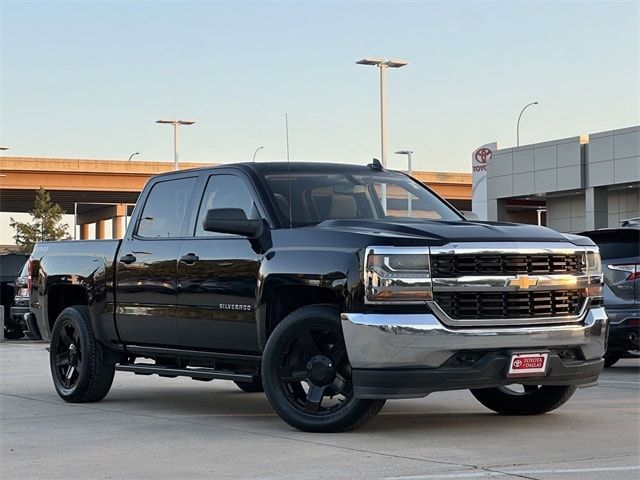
<point x="611" y="358"/>
<point x="13" y="333"/>
<point x="535" y="400"/>
<point x="307" y="349"/>
<point x="251" y="387"/>
<point x="77" y="360"/>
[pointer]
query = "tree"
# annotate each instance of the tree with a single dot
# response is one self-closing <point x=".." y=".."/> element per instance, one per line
<point x="46" y="223"/>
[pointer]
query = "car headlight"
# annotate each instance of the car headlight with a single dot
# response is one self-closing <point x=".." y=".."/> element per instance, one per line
<point x="397" y="275"/>
<point x="593" y="269"/>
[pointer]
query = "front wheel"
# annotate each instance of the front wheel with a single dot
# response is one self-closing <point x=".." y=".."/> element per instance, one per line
<point x="307" y="375"/>
<point x="611" y="358"/>
<point x="78" y="367"/>
<point x="524" y="399"/>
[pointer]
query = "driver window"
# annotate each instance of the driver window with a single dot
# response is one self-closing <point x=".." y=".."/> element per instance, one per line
<point x="225" y="191"/>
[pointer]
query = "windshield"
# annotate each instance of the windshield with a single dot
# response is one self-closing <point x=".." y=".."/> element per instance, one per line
<point x="316" y="197"/>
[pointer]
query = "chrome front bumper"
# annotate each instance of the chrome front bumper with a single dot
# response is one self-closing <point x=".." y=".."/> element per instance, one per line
<point x="381" y="341"/>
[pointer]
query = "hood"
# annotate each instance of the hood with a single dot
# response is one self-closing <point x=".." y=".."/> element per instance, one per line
<point x="442" y="232"/>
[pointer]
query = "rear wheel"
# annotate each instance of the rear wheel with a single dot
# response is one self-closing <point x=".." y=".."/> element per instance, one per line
<point x="13" y="333"/>
<point x="78" y="367"/>
<point x="524" y="399"/>
<point x="307" y="375"/>
<point x="251" y="387"/>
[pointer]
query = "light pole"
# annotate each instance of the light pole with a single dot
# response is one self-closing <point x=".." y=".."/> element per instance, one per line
<point x="255" y="153"/>
<point x="175" y="124"/>
<point x="408" y="153"/>
<point x="518" y="124"/>
<point x="383" y="65"/>
<point x="133" y="155"/>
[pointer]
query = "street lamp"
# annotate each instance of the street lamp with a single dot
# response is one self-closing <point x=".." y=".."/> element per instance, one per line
<point x="133" y="155"/>
<point x="408" y="153"/>
<point x="175" y="124"/>
<point x="255" y="153"/>
<point x="518" y="125"/>
<point x="383" y="65"/>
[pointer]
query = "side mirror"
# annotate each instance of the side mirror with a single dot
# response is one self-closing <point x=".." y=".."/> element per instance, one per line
<point x="232" y="220"/>
<point x="472" y="216"/>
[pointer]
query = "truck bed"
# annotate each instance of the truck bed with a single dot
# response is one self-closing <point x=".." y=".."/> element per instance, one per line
<point x="85" y="264"/>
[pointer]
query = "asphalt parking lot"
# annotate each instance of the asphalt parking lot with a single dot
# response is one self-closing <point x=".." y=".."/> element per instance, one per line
<point x="148" y="427"/>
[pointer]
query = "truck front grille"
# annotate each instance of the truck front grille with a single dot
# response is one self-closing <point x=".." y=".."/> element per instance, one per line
<point x="447" y="266"/>
<point x="505" y="305"/>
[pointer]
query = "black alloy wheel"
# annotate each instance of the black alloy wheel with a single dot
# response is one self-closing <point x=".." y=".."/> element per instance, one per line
<point x="81" y="366"/>
<point x="314" y="371"/>
<point x="67" y="356"/>
<point x="307" y="375"/>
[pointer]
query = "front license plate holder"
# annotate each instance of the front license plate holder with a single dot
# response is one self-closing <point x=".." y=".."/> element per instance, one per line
<point x="528" y="364"/>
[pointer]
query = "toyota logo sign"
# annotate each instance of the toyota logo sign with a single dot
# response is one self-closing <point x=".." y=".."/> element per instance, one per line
<point x="483" y="154"/>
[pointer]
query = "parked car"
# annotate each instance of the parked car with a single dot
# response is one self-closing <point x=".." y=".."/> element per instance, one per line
<point x="10" y="266"/>
<point x="332" y="287"/>
<point x="20" y="311"/>
<point x="620" y="253"/>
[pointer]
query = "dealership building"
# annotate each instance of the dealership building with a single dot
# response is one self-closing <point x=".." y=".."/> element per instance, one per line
<point x="570" y="184"/>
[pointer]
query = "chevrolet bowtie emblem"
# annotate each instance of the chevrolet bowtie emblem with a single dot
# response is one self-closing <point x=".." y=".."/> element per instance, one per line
<point x="523" y="282"/>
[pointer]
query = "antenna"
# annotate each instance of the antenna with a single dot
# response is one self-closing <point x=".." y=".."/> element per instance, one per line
<point x="375" y="165"/>
<point x="286" y="127"/>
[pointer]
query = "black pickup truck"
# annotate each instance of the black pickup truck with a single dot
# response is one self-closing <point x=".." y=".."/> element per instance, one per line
<point x="332" y="287"/>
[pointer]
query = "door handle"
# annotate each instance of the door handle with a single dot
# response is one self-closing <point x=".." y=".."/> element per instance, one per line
<point x="189" y="258"/>
<point x="128" y="258"/>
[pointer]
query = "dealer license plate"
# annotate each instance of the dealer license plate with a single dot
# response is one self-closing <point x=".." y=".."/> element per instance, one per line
<point x="528" y="364"/>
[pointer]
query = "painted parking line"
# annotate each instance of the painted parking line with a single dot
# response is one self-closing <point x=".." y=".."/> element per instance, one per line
<point x="488" y="473"/>
<point x="618" y="381"/>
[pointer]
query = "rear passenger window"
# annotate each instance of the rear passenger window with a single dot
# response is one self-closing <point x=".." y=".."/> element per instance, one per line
<point x="166" y="208"/>
<point x="225" y="191"/>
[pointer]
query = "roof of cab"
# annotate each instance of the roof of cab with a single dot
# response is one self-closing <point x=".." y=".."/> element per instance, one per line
<point x="265" y="168"/>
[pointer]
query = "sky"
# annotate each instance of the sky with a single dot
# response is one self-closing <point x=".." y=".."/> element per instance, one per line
<point x="89" y="79"/>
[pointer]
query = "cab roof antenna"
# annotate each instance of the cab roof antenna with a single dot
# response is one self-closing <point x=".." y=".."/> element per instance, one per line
<point x="375" y="165"/>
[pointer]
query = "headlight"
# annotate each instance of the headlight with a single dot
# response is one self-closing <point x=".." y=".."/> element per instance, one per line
<point x="397" y="275"/>
<point x="594" y="264"/>
<point x="594" y="271"/>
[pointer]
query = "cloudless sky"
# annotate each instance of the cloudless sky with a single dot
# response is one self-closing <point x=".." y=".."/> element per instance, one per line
<point x="88" y="79"/>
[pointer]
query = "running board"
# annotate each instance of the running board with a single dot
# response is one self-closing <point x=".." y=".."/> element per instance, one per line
<point x="195" y="373"/>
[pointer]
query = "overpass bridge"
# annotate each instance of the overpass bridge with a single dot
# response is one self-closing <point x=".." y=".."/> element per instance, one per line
<point x="104" y="191"/>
